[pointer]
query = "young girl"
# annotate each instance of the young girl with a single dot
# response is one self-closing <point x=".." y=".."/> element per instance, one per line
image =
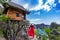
<point x="30" y="32"/>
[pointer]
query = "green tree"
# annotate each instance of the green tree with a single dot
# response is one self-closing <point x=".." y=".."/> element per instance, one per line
<point x="53" y="25"/>
<point x="48" y="31"/>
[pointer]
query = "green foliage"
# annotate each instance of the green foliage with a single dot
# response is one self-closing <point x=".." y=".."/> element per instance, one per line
<point x="6" y="5"/>
<point x="4" y="1"/>
<point x="1" y="10"/>
<point x="48" y="31"/>
<point x="58" y="29"/>
<point x="3" y="18"/>
<point x="53" y="25"/>
<point x="44" y="38"/>
<point x="36" y="32"/>
<point x="1" y="32"/>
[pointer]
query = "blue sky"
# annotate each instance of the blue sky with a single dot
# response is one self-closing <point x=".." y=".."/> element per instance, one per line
<point x="41" y="11"/>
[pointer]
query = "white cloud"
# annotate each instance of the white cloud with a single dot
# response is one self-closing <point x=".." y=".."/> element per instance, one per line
<point x="45" y="6"/>
<point x="51" y="2"/>
<point x="35" y="21"/>
<point x="48" y="7"/>
<point x="54" y="5"/>
<point x="59" y="1"/>
<point x="38" y="21"/>
<point x="37" y="13"/>
<point x="37" y="7"/>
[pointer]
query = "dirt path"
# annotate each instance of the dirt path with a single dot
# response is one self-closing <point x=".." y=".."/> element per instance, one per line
<point x="1" y="38"/>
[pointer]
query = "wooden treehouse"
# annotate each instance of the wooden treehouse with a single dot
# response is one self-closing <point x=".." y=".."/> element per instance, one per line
<point x="16" y="12"/>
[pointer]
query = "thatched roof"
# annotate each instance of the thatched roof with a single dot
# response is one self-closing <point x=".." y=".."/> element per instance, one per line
<point x="17" y="7"/>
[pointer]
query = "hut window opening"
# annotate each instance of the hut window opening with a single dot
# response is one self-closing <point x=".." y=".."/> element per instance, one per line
<point x="17" y="14"/>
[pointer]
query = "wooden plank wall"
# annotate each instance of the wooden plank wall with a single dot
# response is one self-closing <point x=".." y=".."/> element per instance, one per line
<point x="12" y="14"/>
